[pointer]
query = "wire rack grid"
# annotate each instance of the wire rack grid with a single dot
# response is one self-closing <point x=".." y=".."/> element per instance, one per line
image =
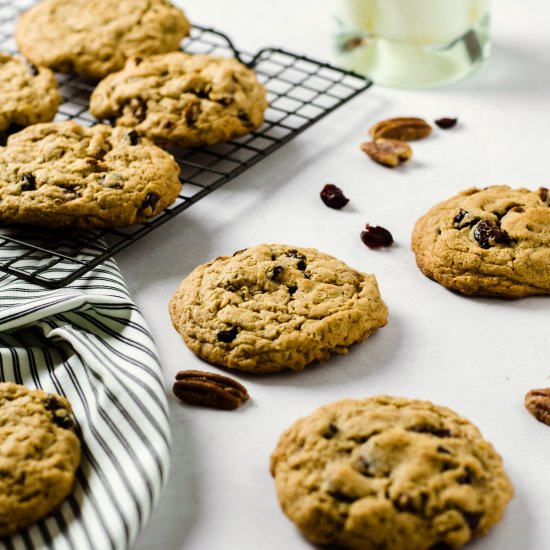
<point x="301" y="91"/>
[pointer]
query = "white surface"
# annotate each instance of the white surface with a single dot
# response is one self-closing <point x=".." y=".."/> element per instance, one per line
<point x="477" y="356"/>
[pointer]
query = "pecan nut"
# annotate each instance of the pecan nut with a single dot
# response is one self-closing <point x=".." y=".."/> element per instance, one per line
<point x="209" y="390"/>
<point x="537" y="402"/>
<point x="388" y="152"/>
<point x="401" y="128"/>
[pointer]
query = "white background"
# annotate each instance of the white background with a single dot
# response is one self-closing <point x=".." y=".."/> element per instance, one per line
<point x="477" y="356"/>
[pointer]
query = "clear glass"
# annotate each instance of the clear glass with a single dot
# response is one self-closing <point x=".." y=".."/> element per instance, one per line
<point x="412" y="43"/>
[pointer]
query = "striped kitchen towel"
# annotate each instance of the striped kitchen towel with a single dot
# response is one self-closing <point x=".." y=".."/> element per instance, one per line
<point x="89" y="342"/>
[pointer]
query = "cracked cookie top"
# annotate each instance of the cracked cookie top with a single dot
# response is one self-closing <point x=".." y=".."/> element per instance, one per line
<point x="273" y="307"/>
<point x="493" y="241"/>
<point x="64" y="175"/>
<point x="95" y="37"/>
<point x="181" y="99"/>
<point x="389" y="472"/>
<point x="39" y="454"/>
<point x="28" y="94"/>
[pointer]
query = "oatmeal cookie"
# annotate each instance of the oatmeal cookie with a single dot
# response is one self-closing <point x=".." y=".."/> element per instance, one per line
<point x="181" y="99"/>
<point x="39" y="455"/>
<point x="28" y="94"/>
<point x="64" y="175"/>
<point x="389" y="472"/>
<point x="95" y="37"/>
<point x="273" y="307"/>
<point x="493" y="242"/>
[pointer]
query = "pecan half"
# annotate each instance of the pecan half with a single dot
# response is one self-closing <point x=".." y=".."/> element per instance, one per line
<point x="388" y="152"/>
<point x="401" y="128"/>
<point x="537" y="402"/>
<point x="209" y="390"/>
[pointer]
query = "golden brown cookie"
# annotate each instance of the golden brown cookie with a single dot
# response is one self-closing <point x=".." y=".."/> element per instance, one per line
<point x="181" y="99"/>
<point x="273" y="307"/>
<point x="388" y="472"/>
<point x="28" y="94"/>
<point x="64" y="175"/>
<point x="493" y="242"/>
<point x="95" y="37"/>
<point x="39" y="455"/>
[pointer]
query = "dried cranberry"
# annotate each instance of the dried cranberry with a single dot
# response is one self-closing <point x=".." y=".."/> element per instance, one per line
<point x="362" y="466"/>
<point x="342" y="497"/>
<point x="467" y="478"/>
<point x="29" y="182"/>
<point x="294" y="254"/>
<point x="404" y="503"/>
<point x="132" y="137"/>
<point x="331" y="431"/>
<point x="192" y="113"/>
<point x="244" y="117"/>
<point x="460" y="216"/>
<point x="201" y="93"/>
<point x="227" y="336"/>
<point x="138" y="106"/>
<point x="52" y="403"/>
<point x="446" y="122"/>
<point x="427" y="429"/>
<point x="472" y="519"/>
<point x="376" y="237"/>
<point x="151" y="200"/>
<point x="64" y="421"/>
<point x="277" y="270"/>
<point x="225" y="101"/>
<point x="333" y="196"/>
<point x="61" y="418"/>
<point x="488" y="234"/>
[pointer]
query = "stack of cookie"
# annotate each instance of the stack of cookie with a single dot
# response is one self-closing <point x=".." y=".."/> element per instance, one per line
<point x="62" y="175"/>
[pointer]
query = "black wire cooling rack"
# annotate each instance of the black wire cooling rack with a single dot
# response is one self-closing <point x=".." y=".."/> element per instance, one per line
<point x="301" y="91"/>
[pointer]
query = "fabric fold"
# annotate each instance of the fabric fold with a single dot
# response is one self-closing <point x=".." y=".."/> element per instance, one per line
<point x="90" y="343"/>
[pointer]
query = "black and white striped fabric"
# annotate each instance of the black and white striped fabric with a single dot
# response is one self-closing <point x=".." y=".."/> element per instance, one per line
<point x="89" y="343"/>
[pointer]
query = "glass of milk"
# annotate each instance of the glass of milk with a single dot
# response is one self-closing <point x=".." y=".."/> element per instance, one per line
<point x="412" y="43"/>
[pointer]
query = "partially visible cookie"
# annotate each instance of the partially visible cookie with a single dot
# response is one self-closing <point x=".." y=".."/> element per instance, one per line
<point x="493" y="241"/>
<point x="95" y="37"/>
<point x="181" y="99"/>
<point x="389" y="472"/>
<point x="273" y="307"/>
<point x="28" y="94"/>
<point x="39" y="455"/>
<point x="64" y="175"/>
